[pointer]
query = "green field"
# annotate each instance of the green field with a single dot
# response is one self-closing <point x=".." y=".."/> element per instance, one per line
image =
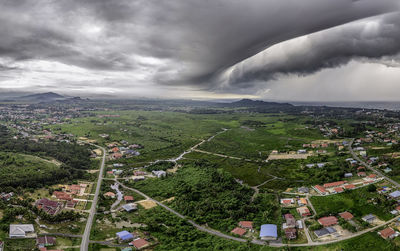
<point x="359" y="202"/>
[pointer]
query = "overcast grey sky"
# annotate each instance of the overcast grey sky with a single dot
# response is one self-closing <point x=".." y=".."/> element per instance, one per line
<point x="265" y="49"/>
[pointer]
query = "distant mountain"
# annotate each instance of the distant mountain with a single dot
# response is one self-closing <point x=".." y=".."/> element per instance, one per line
<point x="258" y="103"/>
<point x="42" y="98"/>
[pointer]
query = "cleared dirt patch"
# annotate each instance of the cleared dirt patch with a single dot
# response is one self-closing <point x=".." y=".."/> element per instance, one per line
<point x="147" y="204"/>
<point x="289" y="156"/>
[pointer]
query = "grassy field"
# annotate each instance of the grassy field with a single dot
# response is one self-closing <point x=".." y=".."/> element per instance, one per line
<point x="359" y="202"/>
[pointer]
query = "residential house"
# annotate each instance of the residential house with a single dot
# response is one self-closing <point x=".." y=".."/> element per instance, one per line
<point x="338" y="189"/>
<point x="62" y="195"/>
<point x="246" y="225"/>
<point x="287" y="201"/>
<point x="139" y="243"/>
<point x="303" y="211"/>
<point x="328" y="221"/>
<point x="49" y="206"/>
<point x="387" y="233"/>
<point x="303" y="190"/>
<point x="159" y="173"/>
<point x="291" y="233"/>
<point x="369" y="218"/>
<point x="110" y="195"/>
<point x="124" y="236"/>
<point x="324" y="231"/>
<point x="239" y="231"/>
<point x="129" y="207"/>
<point x="21" y="230"/>
<point x="346" y="216"/>
<point x="128" y="198"/>
<point x="348" y="175"/>
<point x="321" y="190"/>
<point x="395" y="194"/>
<point x="302" y="202"/>
<point x="45" y="241"/>
<point x="269" y="232"/>
<point x="350" y="186"/>
<point x="290" y="221"/>
<point x="334" y="184"/>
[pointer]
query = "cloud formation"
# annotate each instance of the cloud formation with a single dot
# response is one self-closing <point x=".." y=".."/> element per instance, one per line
<point x="212" y="45"/>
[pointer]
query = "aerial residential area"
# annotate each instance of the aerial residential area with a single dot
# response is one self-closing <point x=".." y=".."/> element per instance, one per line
<point x="109" y="175"/>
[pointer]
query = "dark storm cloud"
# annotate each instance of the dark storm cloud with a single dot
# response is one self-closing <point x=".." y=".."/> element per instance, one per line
<point x="176" y="42"/>
<point x="375" y="39"/>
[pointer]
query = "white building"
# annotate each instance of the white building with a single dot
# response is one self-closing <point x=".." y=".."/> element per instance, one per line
<point x="21" y="230"/>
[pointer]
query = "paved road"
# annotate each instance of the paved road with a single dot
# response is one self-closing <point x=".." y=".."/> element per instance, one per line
<point x="86" y="234"/>
<point x="370" y="167"/>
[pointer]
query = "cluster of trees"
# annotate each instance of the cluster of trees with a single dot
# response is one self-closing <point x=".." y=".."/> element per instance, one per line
<point x="212" y="196"/>
<point x="75" y="159"/>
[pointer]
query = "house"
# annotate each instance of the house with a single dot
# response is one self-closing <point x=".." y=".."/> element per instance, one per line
<point x="350" y="186"/>
<point x="310" y="165"/>
<point x="124" y="236"/>
<point x="45" y="241"/>
<point x="159" y="173"/>
<point x="334" y="184"/>
<point x="20" y="230"/>
<point x="71" y="203"/>
<point x="269" y="232"/>
<point x="239" y="231"/>
<point x="398" y="208"/>
<point x="139" y="243"/>
<point x="324" y="231"/>
<point x="361" y="174"/>
<point x="299" y="224"/>
<point x="302" y="202"/>
<point x="369" y="218"/>
<point x="328" y="221"/>
<point x="348" y="175"/>
<point x="387" y="233"/>
<point x="302" y="151"/>
<point x="303" y="190"/>
<point x="290" y="221"/>
<point x="395" y="194"/>
<point x="62" y="195"/>
<point x="129" y="207"/>
<point x="49" y="206"/>
<point x="321" y="165"/>
<point x="321" y="190"/>
<point x="338" y="189"/>
<point x="372" y="176"/>
<point x="128" y="198"/>
<point x="287" y="201"/>
<point x="346" y="216"/>
<point x="116" y="156"/>
<point x="291" y="233"/>
<point x="246" y="224"/>
<point x="110" y="195"/>
<point x="303" y="211"/>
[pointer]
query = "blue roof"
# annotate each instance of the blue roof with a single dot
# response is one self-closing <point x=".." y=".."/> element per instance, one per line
<point x="269" y="230"/>
<point x="124" y="235"/>
<point x="395" y="194"/>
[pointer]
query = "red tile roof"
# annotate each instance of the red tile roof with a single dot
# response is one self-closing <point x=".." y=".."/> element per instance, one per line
<point x="246" y="224"/>
<point x="321" y="189"/>
<point x="387" y="232"/>
<point x="350" y="186"/>
<point x="338" y="189"/>
<point x="239" y="231"/>
<point x="128" y="198"/>
<point x="346" y="215"/>
<point x="372" y="176"/>
<point x="334" y="184"/>
<point x="328" y="221"/>
<point x="139" y="243"/>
